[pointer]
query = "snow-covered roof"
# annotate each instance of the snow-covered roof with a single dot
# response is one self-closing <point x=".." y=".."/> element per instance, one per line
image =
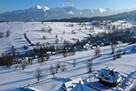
<point x="81" y="87"/>
<point x="109" y="75"/>
<point x="30" y="89"/>
<point x="71" y="84"/>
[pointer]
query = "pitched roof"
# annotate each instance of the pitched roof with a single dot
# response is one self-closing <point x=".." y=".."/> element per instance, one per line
<point x="109" y="75"/>
<point x="81" y="87"/>
<point x="70" y="84"/>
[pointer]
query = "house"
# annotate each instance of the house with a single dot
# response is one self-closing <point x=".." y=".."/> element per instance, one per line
<point x="81" y="87"/>
<point x="109" y="77"/>
<point x="87" y="46"/>
<point x="29" y="89"/>
<point x="23" y="60"/>
<point x="68" y="86"/>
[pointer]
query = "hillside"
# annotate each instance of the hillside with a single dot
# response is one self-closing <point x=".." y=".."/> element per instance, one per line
<point x="15" y="78"/>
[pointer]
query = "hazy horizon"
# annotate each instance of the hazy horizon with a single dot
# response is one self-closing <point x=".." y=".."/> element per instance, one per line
<point x="11" y="5"/>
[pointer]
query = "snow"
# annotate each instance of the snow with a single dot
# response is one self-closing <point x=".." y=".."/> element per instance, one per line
<point x="81" y="87"/>
<point x="5" y="46"/>
<point x="39" y="7"/>
<point x="71" y="84"/>
<point x="114" y="76"/>
<point x="70" y="12"/>
<point x="92" y="11"/>
<point x="34" y="33"/>
<point x="39" y="13"/>
<point x="30" y="89"/>
<point x="81" y="13"/>
<point x="46" y="8"/>
<point x="102" y="10"/>
<point x="13" y="79"/>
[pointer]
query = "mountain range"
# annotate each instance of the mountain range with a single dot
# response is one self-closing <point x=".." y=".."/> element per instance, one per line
<point x="39" y="13"/>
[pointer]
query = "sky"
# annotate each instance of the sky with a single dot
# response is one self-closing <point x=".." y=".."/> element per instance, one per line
<point x="10" y="5"/>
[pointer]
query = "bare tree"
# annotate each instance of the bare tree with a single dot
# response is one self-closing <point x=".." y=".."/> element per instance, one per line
<point x="44" y="37"/>
<point x="41" y="57"/>
<point x="56" y="36"/>
<point x="63" y="32"/>
<point x="49" y="29"/>
<point x="89" y="66"/>
<point x="7" y="33"/>
<point x="97" y="51"/>
<point x="13" y="51"/>
<point x="57" y="67"/>
<point x="74" y="63"/>
<point x="112" y="48"/>
<point x="38" y="74"/>
<point x="47" y="56"/>
<point x="6" y="59"/>
<point x="63" y="67"/>
<point x="57" y="41"/>
<point x="52" y="70"/>
<point x="23" y="66"/>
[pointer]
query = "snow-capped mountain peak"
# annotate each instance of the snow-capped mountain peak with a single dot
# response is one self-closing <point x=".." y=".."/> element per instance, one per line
<point x="92" y="11"/>
<point x="38" y="7"/>
<point x="39" y="13"/>
<point x="46" y="8"/>
<point x="70" y="12"/>
<point x="102" y="10"/>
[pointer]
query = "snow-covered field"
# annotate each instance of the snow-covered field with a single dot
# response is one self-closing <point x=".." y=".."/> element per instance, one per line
<point x="34" y="33"/>
<point x="12" y="79"/>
